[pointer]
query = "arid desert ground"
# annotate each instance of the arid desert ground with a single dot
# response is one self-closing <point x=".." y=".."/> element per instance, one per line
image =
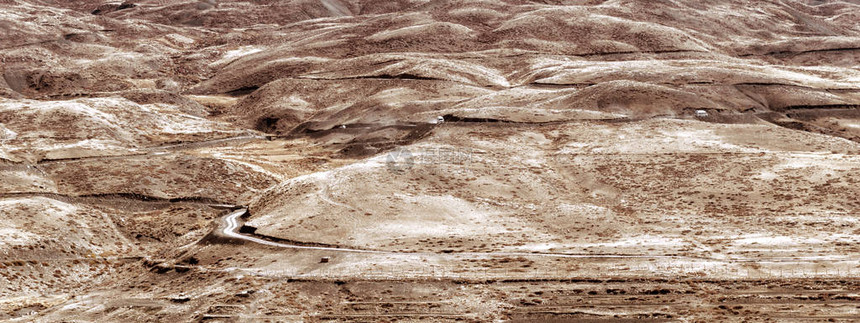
<point x="430" y="160"/>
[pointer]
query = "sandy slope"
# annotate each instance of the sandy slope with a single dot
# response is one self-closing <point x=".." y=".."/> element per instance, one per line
<point x="570" y="128"/>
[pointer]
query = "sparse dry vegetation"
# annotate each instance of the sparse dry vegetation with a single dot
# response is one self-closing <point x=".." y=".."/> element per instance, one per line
<point x="279" y="161"/>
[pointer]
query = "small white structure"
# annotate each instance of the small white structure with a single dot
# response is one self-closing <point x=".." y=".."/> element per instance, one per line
<point x="343" y="126"/>
<point x="701" y="114"/>
<point x="438" y="120"/>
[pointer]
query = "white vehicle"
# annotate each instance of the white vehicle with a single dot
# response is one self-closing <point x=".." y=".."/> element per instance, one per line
<point x="701" y="114"/>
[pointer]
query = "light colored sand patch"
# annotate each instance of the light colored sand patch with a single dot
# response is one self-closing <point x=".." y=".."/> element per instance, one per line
<point x="12" y="303"/>
<point x="822" y="217"/>
<point x="431" y="28"/>
<point x="41" y="202"/>
<point x="6" y="133"/>
<point x="80" y="109"/>
<point x="795" y="163"/>
<point x="694" y="139"/>
<point x="370" y="164"/>
<point x="15" y="236"/>
<point x="97" y="146"/>
<point x="26" y="181"/>
<point x="653" y="136"/>
<point x="642" y="241"/>
<point x="767" y="175"/>
<point x="232" y="55"/>
<point x="817" y="164"/>
<point x="179" y="40"/>
<point x="587" y="210"/>
<point x="394" y="94"/>
<point x="16" y="231"/>
<point x="433" y="216"/>
<point x="774" y="240"/>
<point x="570" y="72"/>
<point x="539" y="247"/>
<point x="214" y="100"/>
<point x="238" y="160"/>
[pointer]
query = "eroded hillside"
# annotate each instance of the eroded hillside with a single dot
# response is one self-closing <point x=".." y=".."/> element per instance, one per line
<point x="442" y="160"/>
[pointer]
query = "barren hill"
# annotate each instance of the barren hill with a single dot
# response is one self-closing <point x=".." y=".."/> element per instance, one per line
<point x="441" y="160"/>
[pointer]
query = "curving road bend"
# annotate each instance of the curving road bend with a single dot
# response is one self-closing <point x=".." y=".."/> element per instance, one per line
<point x="230" y="228"/>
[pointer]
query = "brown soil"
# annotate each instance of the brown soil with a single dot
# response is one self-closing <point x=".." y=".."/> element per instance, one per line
<point x="629" y="161"/>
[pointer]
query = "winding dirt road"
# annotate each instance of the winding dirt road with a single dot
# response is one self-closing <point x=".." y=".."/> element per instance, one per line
<point x="231" y="223"/>
<point x="230" y="228"/>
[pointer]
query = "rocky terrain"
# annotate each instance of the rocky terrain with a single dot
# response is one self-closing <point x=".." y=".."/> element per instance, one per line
<point x="430" y="160"/>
